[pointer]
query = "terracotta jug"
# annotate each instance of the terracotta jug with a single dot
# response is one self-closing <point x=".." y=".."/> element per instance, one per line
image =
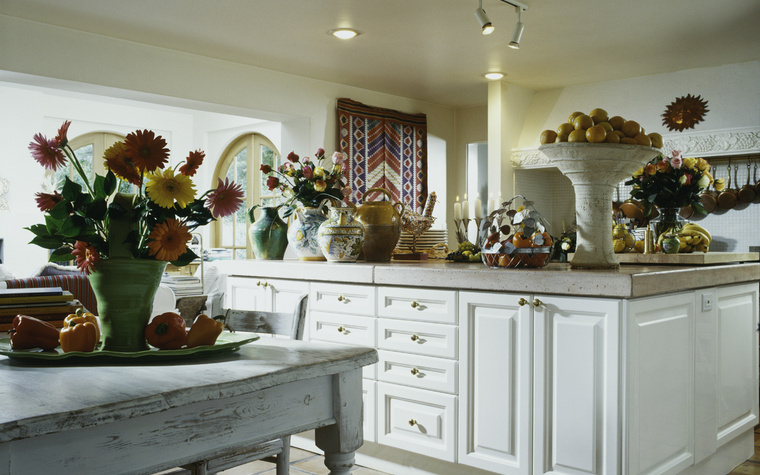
<point x="382" y="226"/>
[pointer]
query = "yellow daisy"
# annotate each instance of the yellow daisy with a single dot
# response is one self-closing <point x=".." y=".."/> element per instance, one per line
<point x="164" y="188"/>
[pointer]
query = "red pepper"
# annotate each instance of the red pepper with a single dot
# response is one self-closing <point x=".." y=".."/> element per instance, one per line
<point x="29" y="332"/>
<point x="167" y="331"/>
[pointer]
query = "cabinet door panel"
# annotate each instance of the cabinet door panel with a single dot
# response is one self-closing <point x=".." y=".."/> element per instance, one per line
<point x="576" y="361"/>
<point x="246" y="293"/>
<point x="660" y="383"/>
<point x="495" y="382"/>
<point x="737" y="364"/>
<point x="285" y="293"/>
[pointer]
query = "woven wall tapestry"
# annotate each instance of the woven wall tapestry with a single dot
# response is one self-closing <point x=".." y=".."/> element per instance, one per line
<point x="386" y="149"/>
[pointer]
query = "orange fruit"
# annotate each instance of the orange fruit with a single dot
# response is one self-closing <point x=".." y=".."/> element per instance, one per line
<point x="545" y="235"/>
<point x="619" y="133"/>
<point x="656" y="139"/>
<point x="616" y="122"/>
<point x="605" y="125"/>
<point x="572" y="117"/>
<point x="628" y="140"/>
<point x="596" y="134"/>
<point x="548" y="136"/>
<point x="631" y="128"/>
<point x="520" y="240"/>
<point x="612" y="138"/>
<point x="577" y="135"/>
<point x="583" y="122"/>
<point x="561" y="138"/>
<point x="565" y="129"/>
<point x="642" y="139"/>
<point x="599" y="115"/>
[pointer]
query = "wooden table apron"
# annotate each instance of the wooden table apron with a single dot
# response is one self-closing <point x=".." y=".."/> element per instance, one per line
<point x="143" y="419"/>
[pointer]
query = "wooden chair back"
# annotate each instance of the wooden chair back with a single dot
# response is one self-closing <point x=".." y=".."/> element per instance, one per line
<point x="275" y="323"/>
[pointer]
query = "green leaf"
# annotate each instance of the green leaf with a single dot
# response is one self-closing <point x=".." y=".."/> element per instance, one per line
<point x="62" y="254"/>
<point x="72" y="227"/>
<point x="110" y="183"/>
<point x="39" y="229"/>
<point x="47" y="242"/>
<point x="185" y="259"/>
<point x="97" y="210"/>
<point x="71" y="190"/>
<point x="60" y="211"/>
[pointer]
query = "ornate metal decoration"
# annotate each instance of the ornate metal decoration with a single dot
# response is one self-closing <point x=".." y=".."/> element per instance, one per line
<point x="684" y="113"/>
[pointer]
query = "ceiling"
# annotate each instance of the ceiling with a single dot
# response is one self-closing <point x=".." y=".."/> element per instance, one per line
<point x="430" y="50"/>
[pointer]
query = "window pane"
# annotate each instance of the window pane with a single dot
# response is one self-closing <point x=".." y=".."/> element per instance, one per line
<point x="240" y="228"/>
<point x="84" y="155"/>
<point x="241" y="165"/>
<point x="228" y="233"/>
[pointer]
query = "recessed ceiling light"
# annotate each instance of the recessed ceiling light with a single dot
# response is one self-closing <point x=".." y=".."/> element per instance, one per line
<point x="343" y="33"/>
<point x="494" y="75"/>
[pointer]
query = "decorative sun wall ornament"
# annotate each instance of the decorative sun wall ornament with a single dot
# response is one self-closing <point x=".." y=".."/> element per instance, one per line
<point x="684" y="113"/>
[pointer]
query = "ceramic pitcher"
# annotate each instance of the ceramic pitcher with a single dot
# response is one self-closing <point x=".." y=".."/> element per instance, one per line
<point x="382" y="226"/>
<point x="268" y="234"/>
<point x="341" y="237"/>
<point x="302" y="233"/>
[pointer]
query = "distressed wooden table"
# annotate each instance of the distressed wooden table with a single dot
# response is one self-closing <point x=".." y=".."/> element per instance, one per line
<point x="150" y="417"/>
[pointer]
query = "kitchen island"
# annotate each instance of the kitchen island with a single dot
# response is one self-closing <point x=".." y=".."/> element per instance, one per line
<point x="641" y="369"/>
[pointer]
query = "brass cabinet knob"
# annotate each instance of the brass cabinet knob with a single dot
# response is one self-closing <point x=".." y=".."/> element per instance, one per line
<point x="258" y="284"/>
<point x="537" y="303"/>
<point x="412" y="422"/>
<point x="522" y="302"/>
<point x="415" y="371"/>
<point x="415" y="304"/>
<point x="341" y="329"/>
<point x="415" y="337"/>
<point x="341" y="298"/>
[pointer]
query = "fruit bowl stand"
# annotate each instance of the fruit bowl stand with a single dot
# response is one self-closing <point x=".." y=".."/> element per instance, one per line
<point x="595" y="169"/>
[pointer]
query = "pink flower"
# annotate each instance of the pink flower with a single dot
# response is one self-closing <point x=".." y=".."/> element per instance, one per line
<point x="676" y="154"/>
<point x="85" y="256"/>
<point x="308" y="173"/>
<point x="47" y="153"/>
<point x="194" y="160"/>
<point x="320" y="153"/>
<point x="61" y="138"/>
<point x="225" y="199"/>
<point x="338" y="158"/>
<point x="293" y="157"/>
<point x="47" y="201"/>
<point x="676" y="161"/>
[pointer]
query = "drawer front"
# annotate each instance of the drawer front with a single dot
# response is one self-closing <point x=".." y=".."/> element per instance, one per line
<point x="424" y="372"/>
<point x="417" y="420"/>
<point x="430" y="339"/>
<point x="347" y="329"/>
<point x="342" y="298"/>
<point x="425" y="305"/>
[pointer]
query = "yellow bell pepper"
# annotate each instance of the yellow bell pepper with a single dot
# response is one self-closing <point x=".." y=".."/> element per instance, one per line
<point x="88" y="317"/>
<point x="204" y="331"/>
<point x="78" y="335"/>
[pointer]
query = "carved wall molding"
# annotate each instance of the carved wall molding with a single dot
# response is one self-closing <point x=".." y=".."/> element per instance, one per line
<point x="713" y="143"/>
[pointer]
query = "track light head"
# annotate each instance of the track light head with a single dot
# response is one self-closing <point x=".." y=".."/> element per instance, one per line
<point x="485" y="23"/>
<point x="517" y="34"/>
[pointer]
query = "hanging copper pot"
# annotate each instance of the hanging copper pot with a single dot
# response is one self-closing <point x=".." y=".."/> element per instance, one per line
<point x="727" y="198"/>
<point x="757" y="181"/>
<point x="709" y="199"/>
<point x="686" y="212"/>
<point x="747" y="192"/>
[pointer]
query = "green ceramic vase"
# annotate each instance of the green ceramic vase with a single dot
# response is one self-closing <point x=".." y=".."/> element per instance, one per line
<point x="124" y="289"/>
<point x="268" y="234"/>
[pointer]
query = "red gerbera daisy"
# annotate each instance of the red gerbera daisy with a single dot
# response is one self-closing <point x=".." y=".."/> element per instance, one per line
<point x="168" y="240"/>
<point x="85" y="256"/>
<point x="226" y="199"/>
<point x="47" y="153"/>
<point x="61" y="138"/>
<point x="121" y="165"/>
<point x="194" y="161"/>
<point x="147" y="150"/>
<point x="47" y="201"/>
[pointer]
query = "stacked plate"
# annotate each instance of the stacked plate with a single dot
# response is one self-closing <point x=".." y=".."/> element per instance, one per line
<point x="428" y="239"/>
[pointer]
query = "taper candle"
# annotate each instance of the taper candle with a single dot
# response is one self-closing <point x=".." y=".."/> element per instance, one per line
<point x="457" y="209"/>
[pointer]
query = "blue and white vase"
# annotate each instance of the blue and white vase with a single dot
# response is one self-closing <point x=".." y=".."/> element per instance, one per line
<point x="302" y="233"/>
<point x="341" y="237"/>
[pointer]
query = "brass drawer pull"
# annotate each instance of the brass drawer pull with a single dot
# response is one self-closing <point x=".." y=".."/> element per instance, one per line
<point x="522" y="302"/>
<point x="412" y="422"/>
<point x="537" y="303"/>
<point x="262" y="284"/>
<point x="341" y="298"/>
<point x="415" y="338"/>
<point x="342" y="329"/>
<point x="415" y="304"/>
<point x="415" y="371"/>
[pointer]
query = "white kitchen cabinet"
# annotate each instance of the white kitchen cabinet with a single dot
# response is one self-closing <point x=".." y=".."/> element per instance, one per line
<point x="261" y="293"/>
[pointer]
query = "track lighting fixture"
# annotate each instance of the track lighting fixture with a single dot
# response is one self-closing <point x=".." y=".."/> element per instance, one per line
<point x="485" y="23"/>
<point x="517" y="34"/>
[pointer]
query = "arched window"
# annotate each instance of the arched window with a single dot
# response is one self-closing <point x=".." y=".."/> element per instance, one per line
<point x="89" y="149"/>
<point x="241" y="162"/>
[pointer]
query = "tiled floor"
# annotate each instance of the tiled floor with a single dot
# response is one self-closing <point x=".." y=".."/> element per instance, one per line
<point x="301" y="463"/>
<point x="751" y="466"/>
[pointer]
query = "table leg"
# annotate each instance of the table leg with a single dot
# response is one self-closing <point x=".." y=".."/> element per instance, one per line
<point x="340" y="440"/>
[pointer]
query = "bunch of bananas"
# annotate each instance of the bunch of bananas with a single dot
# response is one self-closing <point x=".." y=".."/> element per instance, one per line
<point x="694" y="237"/>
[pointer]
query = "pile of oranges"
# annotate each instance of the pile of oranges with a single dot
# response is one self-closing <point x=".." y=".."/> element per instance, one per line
<point x="598" y="127"/>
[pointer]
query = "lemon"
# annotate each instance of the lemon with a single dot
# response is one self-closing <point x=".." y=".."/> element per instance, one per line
<point x="631" y="128"/>
<point x="616" y="122"/>
<point x="561" y="138"/>
<point x="630" y="241"/>
<point x="656" y="140"/>
<point x="596" y="134"/>
<point x="548" y="136"/>
<point x="583" y="122"/>
<point x="572" y="117"/>
<point x="618" y="245"/>
<point x="565" y="129"/>
<point x="619" y="231"/>
<point x="628" y="140"/>
<point x="642" y="139"/>
<point x="638" y="246"/>
<point x="599" y="115"/>
<point x="612" y="138"/>
<point x="605" y="125"/>
<point x="577" y="135"/>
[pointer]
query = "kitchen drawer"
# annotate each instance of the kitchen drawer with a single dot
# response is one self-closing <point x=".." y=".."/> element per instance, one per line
<point x="369" y="393"/>
<point x="417" y="304"/>
<point x="417" y="420"/>
<point x="424" y="372"/>
<point x="347" y="329"/>
<point x="430" y="339"/>
<point x="342" y="298"/>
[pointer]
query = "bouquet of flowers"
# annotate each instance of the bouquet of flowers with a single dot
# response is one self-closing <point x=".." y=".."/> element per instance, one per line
<point x="308" y="181"/>
<point x="97" y="222"/>
<point x="671" y="182"/>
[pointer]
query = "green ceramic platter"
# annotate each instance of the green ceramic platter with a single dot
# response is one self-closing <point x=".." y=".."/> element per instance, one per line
<point x="226" y="343"/>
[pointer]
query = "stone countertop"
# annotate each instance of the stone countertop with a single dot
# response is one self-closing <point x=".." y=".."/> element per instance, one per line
<point x="628" y="281"/>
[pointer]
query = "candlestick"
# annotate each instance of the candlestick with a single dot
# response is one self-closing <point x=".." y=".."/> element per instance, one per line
<point x="465" y="209"/>
<point x="478" y="211"/>
<point x="457" y="210"/>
